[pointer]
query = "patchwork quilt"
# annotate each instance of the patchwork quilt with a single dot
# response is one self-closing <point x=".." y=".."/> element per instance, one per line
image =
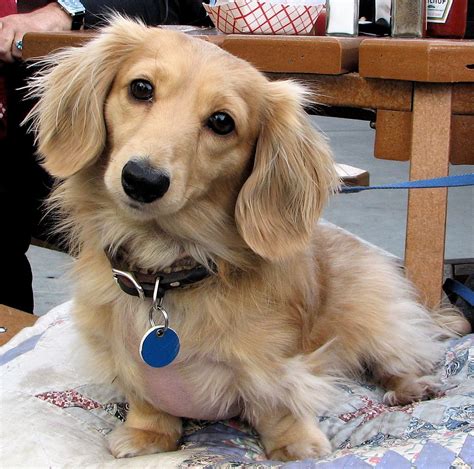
<point x="55" y="414"/>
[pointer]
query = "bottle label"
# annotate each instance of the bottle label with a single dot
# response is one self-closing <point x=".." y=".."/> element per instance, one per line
<point x="438" y="10"/>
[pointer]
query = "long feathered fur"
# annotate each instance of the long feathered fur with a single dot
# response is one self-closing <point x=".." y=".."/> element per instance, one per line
<point x="293" y="307"/>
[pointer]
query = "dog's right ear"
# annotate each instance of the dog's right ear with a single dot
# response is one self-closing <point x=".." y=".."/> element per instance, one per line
<point x="72" y="88"/>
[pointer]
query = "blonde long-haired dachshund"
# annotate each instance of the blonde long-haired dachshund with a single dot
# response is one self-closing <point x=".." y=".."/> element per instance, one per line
<point x="190" y="190"/>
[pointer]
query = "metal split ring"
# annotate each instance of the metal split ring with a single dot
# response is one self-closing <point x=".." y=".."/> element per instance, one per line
<point x="163" y="328"/>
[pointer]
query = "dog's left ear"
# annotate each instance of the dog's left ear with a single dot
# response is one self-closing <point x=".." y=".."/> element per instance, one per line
<point x="72" y="88"/>
<point x="292" y="177"/>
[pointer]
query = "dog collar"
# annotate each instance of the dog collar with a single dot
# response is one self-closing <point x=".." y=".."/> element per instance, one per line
<point x="160" y="344"/>
<point x="141" y="284"/>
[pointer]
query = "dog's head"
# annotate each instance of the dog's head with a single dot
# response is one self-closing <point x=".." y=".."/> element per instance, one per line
<point x="175" y="123"/>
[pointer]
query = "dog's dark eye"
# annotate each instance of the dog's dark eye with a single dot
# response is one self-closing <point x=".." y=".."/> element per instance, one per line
<point x="221" y="123"/>
<point x="141" y="90"/>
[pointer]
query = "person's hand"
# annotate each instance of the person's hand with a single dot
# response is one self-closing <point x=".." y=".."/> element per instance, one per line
<point x="13" y="27"/>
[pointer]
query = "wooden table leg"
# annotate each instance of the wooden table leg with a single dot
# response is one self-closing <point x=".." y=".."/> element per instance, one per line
<point x="426" y="217"/>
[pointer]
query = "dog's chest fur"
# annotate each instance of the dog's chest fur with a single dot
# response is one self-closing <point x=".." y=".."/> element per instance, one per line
<point x="214" y="370"/>
<point x="170" y="390"/>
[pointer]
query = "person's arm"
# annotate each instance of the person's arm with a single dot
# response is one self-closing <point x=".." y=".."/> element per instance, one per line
<point x="13" y="27"/>
<point x="53" y="18"/>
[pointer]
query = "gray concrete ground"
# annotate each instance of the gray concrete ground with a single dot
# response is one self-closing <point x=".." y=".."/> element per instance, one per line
<point x="377" y="216"/>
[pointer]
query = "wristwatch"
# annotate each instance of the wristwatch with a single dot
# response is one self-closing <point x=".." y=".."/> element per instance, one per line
<point x="75" y="9"/>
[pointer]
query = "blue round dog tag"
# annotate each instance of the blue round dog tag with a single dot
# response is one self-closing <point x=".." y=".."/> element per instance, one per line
<point x="159" y="346"/>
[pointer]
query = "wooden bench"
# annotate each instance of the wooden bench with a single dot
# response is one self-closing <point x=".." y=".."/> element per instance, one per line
<point x="13" y="321"/>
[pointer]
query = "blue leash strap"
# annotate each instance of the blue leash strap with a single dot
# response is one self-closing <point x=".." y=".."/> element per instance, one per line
<point x="448" y="181"/>
<point x="453" y="286"/>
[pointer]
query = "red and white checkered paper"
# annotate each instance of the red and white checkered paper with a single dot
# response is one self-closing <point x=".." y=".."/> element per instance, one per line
<point x="242" y="16"/>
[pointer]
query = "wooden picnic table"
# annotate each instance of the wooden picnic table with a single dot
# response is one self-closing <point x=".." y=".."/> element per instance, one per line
<point x="419" y="92"/>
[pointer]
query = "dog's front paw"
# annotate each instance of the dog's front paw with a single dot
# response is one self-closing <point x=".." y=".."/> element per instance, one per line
<point x="312" y="448"/>
<point x="297" y="441"/>
<point x="127" y="442"/>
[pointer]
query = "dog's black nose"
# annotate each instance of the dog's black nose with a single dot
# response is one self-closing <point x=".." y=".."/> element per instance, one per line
<point x="142" y="182"/>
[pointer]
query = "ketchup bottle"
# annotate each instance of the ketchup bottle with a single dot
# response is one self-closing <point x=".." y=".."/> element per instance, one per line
<point x="447" y="18"/>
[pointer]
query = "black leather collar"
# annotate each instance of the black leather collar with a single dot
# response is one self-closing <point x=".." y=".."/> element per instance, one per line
<point x="138" y="283"/>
